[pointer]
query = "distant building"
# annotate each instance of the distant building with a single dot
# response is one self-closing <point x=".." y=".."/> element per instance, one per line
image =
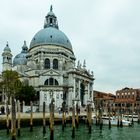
<point x="104" y="101"/>
<point x="127" y="100"/>
<point x="49" y="66"/>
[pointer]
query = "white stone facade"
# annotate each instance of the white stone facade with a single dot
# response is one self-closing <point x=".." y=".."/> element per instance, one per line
<point x="50" y="68"/>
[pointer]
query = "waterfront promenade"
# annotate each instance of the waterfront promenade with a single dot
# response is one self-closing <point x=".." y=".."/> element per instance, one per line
<point x="39" y="115"/>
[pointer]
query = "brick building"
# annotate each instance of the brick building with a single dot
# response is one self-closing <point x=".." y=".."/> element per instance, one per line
<point x="127" y="100"/>
<point x="104" y="101"/>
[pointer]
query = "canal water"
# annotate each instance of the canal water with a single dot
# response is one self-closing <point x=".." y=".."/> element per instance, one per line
<point x="125" y="133"/>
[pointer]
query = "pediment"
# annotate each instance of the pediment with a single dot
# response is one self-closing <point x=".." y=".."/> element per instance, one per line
<point x="51" y="72"/>
<point x="81" y="72"/>
<point x="86" y="74"/>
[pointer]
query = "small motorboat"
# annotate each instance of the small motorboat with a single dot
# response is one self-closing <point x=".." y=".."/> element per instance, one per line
<point x="113" y="121"/>
<point x="130" y="117"/>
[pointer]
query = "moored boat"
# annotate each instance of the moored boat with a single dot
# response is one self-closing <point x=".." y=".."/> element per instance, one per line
<point x="113" y="120"/>
<point x="130" y="117"/>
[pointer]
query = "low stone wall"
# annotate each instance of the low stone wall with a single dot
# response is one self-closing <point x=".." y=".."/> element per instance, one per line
<point x="38" y="119"/>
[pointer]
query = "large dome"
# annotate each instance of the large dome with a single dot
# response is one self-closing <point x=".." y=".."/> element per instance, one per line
<point x="51" y="36"/>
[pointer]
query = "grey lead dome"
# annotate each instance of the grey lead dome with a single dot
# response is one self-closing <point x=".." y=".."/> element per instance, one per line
<point x="51" y="36"/>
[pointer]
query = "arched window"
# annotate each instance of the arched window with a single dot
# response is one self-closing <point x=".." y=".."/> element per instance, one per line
<point x="46" y="82"/>
<point x="55" y="64"/>
<point x="51" y="82"/>
<point x="56" y="82"/>
<point x="47" y="63"/>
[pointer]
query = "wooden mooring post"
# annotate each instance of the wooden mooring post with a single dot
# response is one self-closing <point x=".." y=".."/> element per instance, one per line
<point x="132" y="113"/>
<point x="121" y="123"/>
<point x="109" y="121"/>
<point x="31" y="117"/>
<point x="44" y="119"/>
<point x="13" y="118"/>
<point x="109" y="124"/>
<point x="128" y="112"/>
<point x="97" y="115"/>
<point x="18" y="123"/>
<point x="7" y="117"/>
<point x="138" y="112"/>
<point x="51" y="107"/>
<point x="63" y="115"/>
<point x="77" y="116"/>
<point x="100" y="114"/>
<point x="118" y="120"/>
<point x="89" y="117"/>
<point x="73" y="120"/>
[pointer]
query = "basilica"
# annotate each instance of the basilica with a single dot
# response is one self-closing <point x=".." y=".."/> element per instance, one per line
<point x="49" y="65"/>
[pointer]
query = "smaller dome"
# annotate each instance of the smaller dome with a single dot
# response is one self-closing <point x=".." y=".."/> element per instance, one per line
<point x="51" y="13"/>
<point x="20" y="59"/>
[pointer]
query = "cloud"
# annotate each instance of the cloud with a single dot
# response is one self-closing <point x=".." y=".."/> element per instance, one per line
<point x="104" y="32"/>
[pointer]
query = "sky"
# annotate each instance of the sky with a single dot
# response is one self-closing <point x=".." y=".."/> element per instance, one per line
<point x="106" y="33"/>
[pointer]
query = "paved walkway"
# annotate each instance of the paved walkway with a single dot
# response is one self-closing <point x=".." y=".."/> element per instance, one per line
<point x="40" y="115"/>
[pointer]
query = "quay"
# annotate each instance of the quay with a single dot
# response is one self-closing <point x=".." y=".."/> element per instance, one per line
<point x="38" y="118"/>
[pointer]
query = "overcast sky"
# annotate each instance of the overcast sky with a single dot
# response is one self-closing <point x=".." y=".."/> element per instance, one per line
<point x="104" y="32"/>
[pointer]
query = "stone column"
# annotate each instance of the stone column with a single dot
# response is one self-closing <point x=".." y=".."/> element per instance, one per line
<point x="86" y="95"/>
<point x="79" y="82"/>
<point x="91" y="90"/>
<point x="88" y="91"/>
<point x="70" y="97"/>
<point x="74" y="88"/>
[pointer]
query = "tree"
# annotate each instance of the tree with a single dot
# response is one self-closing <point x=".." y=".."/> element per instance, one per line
<point x="10" y="83"/>
<point x="27" y="94"/>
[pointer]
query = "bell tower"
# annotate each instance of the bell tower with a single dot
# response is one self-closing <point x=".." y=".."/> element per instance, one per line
<point x="7" y="58"/>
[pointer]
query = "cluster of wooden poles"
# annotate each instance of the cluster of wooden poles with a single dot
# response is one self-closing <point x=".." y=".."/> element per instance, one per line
<point x="75" y="119"/>
<point x="118" y="115"/>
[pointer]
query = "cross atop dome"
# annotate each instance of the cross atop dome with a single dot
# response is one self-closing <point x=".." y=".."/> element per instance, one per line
<point x="51" y="8"/>
<point x="7" y="44"/>
<point x="51" y="19"/>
